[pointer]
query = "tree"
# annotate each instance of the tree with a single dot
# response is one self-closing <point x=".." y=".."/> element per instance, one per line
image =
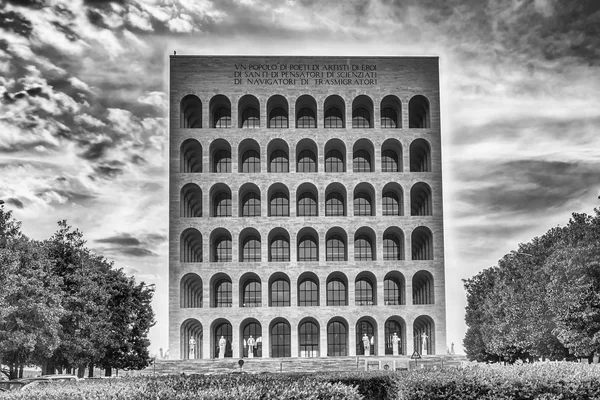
<point x="131" y="318"/>
<point x="30" y="306"/>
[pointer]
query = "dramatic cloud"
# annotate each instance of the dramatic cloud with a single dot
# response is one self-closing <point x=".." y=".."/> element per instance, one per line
<point x="83" y="111"/>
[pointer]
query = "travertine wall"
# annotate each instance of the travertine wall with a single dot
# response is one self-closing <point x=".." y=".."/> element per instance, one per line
<point x="207" y="76"/>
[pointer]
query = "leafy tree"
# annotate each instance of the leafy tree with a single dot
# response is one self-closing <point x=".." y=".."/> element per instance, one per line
<point x="541" y="301"/>
<point x="131" y="318"/>
<point x="29" y="301"/>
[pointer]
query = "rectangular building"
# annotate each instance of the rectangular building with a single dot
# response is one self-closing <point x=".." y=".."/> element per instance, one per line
<point x="305" y="206"/>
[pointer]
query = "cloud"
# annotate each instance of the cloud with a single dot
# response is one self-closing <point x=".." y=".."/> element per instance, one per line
<point x="124" y="239"/>
<point x="15" y="202"/>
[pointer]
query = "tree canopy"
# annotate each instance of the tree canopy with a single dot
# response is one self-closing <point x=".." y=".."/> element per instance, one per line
<point x="542" y="300"/>
<point x="63" y="307"/>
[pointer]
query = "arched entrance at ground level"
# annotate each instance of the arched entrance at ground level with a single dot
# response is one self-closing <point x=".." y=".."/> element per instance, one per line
<point x="308" y="339"/>
<point x="366" y="327"/>
<point x="337" y="338"/>
<point x="252" y="329"/>
<point x="395" y="325"/>
<point x="223" y="329"/>
<point x="424" y="335"/>
<point x="191" y="339"/>
<point x="281" y="340"/>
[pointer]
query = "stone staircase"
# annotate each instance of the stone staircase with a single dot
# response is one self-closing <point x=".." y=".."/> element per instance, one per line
<point x="287" y="365"/>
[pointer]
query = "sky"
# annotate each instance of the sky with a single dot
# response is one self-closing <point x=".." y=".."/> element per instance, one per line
<point x="83" y="113"/>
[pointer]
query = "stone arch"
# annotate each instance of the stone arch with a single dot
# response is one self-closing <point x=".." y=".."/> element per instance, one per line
<point x="191" y="328"/>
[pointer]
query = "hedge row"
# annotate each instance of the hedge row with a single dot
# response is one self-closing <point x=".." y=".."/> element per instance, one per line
<point x="550" y="381"/>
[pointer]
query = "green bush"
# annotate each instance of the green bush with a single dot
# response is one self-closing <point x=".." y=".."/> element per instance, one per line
<point x="551" y="381"/>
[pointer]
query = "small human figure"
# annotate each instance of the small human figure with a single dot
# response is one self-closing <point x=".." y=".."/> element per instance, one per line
<point x="251" y="343"/>
<point x="192" y="353"/>
<point x="452" y="348"/>
<point x="366" y="344"/>
<point x="222" y="344"/>
<point x="396" y="342"/>
<point x="424" y="343"/>
<point x="161" y="353"/>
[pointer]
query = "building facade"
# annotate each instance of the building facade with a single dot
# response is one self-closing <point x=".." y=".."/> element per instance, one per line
<point x="305" y="206"/>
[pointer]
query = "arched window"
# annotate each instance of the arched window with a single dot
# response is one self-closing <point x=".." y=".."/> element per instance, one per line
<point x="389" y="161"/>
<point x="363" y="248"/>
<point x="251" y="161"/>
<point x="309" y="339"/>
<point x="362" y="161"/>
<point x="190" y="246"/>
<point x="278" y="161"/>
<point x="281" y="342"/>
<point x="418" y="112"/>
<point x="420" y="156"/>
<point x="423" y="288"/>
<point x="307" y="161"/>
<point x="191" y="328"/>
<point x="337" y="339"/>
<point x="307" y="205"/>
<point x="364" y="327"/>
<point x="420" y="199"/>
<point x="336" y="293"/>
<point x="279" y="206"/>
<point x="334" y="161"/>
<point x="362" y="204"/>
<point x="222" y="118"/>
<point x="252" y="294"/>
<point x="391" y="247"/>
<point x="306" y="118"/>
<point x="250" y="118"/>
<point x="223" y="296"/>
<point x="190" y="291"/>
<point x="280" y="293"/>
<point x="251" y="249"/>
<point x="391" y="110"/>
<point x="424" y="328"/>
<point x="392" y="294"/>
<point x="222" y="204"/>
<point x="361" y="118"/>
<point x="280" y="249"/>
<point x="308" y="293"/>
<point x="255" y="330"/>
<point x="363" y="294"/>
<point x="422" y="244"/>
<point x="224" y="330"/>
<point x="191" y="112"/>
<point x="308" y="249"/>
<point x="222" y="249"/>
<point x="336" y="248"/>
<point x="190" y="201"/>
<point x="278" y="118"/>
<point x="334" y="205"/>
<point x="389" y="118"/>
<point x="334" y="118"/>
<point x="191" y="156"/>
<point x="251" y="205"/>
<point x="390" y="204"/>
<point x="222" y="161"/>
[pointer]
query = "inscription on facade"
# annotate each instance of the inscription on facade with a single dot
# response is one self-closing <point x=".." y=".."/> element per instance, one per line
<point x="305" y="74"/>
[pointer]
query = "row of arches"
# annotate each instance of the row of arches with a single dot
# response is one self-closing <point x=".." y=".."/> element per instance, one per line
<point x="277" y="112"/>
<point x="307" y="200"/>
<point x="307" y="290"/>
<point x="307" y="245"/>
<point x="313" y="339"/>
<point x="307" y="151"/>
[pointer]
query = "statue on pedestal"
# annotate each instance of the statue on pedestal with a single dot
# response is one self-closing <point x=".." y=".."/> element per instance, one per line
<point x="192" y="353"/>
<point x="251" y="344"/>
<point x="396" y="343"/>
<point x="424" y="343"/>
<point x="222" y="344"/>
<point x="366" y="344"/>
<point x="452" y="348"/>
